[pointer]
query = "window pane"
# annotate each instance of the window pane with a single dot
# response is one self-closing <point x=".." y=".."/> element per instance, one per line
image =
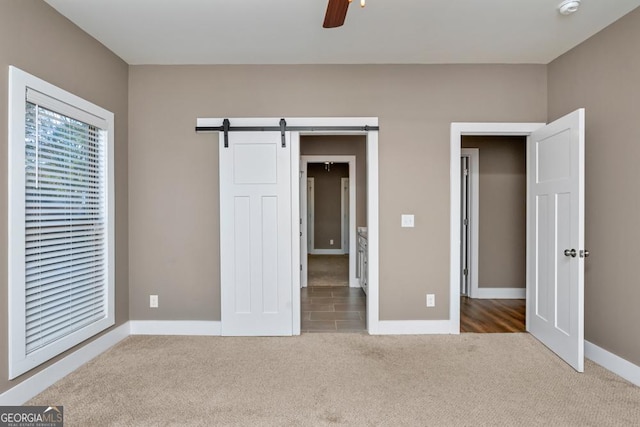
<point x="65" y="226"/>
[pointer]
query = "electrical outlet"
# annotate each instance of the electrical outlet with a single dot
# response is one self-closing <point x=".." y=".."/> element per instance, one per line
<point x="431" y="300"/>
<point x="153" y="301"/>
<point x="331" y="242"/>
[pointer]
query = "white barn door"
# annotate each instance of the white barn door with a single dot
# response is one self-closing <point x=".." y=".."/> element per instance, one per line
<point x="555" y="303"/>
<point x="255" y="234"/>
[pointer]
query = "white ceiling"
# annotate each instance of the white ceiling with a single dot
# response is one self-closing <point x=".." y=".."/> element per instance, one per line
<point x="385" y="31"/>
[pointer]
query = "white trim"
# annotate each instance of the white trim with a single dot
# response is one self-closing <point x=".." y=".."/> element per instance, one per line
<point x="413" y="327"/>
<point x="474" y="217"/>
<point x="612" y="362"/>
<point x="373" y="248"/>
<point x="345" y="208"/>
<point x="328" y="252"/>
<point x="457" y="130"/>
<point x="296" y="232"/>
<point x="500" y="293"/>
<point x="19" y="361"/>
<point x="37" y="383"/>
<point x="309" y="217"/>
<point x="175" y="327"/>
<point x="351" y="161"/>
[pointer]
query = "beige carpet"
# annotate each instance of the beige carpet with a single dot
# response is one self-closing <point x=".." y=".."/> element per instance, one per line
<point x="343" y="379"/>
<point x="328" y="270"/>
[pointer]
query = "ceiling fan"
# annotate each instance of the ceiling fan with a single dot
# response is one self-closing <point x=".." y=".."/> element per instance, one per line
<point x="337" y="12"/>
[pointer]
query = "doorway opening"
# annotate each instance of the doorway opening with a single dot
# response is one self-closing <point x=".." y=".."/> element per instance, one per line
<point x="333" y="172"/>
<point x="458" y="131"/>
<point x="493" y="197"/>
<point x="555" y="229"/>
<point x="274" y="138"/>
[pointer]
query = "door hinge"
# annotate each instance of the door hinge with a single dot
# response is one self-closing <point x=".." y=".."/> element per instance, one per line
<point x="465" y="221"/>
<point x="300" y="267"/>
<point x="465" y="272"/>
<point x="301" y="234"/>
<point x="466" y="172"/>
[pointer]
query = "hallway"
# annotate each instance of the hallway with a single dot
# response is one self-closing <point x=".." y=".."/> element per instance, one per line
<point x="333" y="309"/>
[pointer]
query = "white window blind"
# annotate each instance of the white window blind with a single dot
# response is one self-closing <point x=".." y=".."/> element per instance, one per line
<point x="61" y="221"/>
<point x="65" y="225"/>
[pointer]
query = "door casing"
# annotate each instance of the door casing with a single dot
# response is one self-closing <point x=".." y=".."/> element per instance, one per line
<point x="473" y="154"/>
<point x="457" y="131"/>
<point x="351" y="161"/>
<point x="373" y="320"/>
<point x="345" y="213"/>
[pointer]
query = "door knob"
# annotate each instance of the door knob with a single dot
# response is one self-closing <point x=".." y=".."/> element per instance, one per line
<point x="584" y="253"/>
<point x="570" y="252"/>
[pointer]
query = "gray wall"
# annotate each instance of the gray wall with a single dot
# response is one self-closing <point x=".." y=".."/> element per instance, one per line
<point x="35" y="38"/>
<point x="343" y="145"/>
<point x="173" y="181"/>
<point x="327" y="204"/>
<point x="603" y="75"/>
<point x="502" y="240"/>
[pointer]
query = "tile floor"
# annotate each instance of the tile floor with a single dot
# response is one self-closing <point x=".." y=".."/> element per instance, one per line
<point x="333" y="309"/>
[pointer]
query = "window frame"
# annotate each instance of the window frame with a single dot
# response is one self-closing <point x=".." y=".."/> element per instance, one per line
<point x="19" y="361"/>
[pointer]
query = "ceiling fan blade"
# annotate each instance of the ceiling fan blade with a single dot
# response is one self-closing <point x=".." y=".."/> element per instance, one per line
<point x="336" y="13"/>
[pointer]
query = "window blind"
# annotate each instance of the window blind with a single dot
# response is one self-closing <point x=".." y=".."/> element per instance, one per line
<point x="65" y="221"/>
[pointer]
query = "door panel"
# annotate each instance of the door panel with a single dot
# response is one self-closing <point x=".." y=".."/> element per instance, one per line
<point x="556" y="203"/>
<point x="255" y="235"/>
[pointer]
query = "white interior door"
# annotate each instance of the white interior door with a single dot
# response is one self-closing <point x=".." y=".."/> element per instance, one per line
<point x="255" y="234"/>
<point x="555" y="300"/>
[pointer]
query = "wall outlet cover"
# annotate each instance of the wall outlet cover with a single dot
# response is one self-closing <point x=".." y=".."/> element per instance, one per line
<point x="407" y="220"/>
<point x="431" y="300"/>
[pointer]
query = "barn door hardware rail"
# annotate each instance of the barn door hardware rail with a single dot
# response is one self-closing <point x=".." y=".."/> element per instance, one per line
<point x="282" y="128"/>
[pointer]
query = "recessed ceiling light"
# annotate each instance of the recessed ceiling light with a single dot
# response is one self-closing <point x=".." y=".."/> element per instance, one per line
<point x="567" y="7"/>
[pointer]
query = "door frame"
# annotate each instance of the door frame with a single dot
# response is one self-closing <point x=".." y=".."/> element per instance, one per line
<point x="373" y="310"/>
<point x="474" y="216"/>
<point x="345" y="211"/>
<point x="309" y="216"/>
<point x="322" y="158"/>
<point x="457" y="131"/>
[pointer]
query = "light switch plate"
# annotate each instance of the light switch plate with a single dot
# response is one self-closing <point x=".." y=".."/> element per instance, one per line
<point x="407" y="220"/>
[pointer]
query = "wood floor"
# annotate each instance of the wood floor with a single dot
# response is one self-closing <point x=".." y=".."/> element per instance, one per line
<point x="492" y="315"/>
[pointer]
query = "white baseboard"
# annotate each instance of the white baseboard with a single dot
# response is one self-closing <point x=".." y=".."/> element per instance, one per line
<point x="327" y="252"/>
<point x="613" y="363"/>
<point x="499" y="293"/>
<point x="178" y="327"/>
<point x="37" y="383"/>
<point x="412" y="327"/>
